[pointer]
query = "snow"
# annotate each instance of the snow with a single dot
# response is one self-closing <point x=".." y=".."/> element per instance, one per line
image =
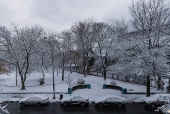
<point x="70" y="97"/>
<point x="96" y="90"/>
<point x="152" y="97"/>
<point x="42" y="97"/>
<point x="155" y="97"/>
<point x="101" y="99"/>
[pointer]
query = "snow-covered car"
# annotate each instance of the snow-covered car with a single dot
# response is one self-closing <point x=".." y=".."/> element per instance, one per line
<point x="75" y="100"/>
<point x="34" y="100"/>
<point x="156" y="100"/>
<point x="110" y="100"/>
<point x="165" y="109"/>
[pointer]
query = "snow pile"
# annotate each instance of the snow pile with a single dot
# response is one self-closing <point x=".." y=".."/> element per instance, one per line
<point x="112" y="83"/>
<point x="80" y="81"/>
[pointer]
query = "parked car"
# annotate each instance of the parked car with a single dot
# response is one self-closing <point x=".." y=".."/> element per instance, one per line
<point x="156" y="100"/>
<point x="75" y="100"/>
<point x="34" y="100"/>
<point x="165" y="109"/>
<point x="110" y="100"/>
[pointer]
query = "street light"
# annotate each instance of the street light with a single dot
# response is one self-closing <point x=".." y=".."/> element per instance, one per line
<point x="52" y="61"/>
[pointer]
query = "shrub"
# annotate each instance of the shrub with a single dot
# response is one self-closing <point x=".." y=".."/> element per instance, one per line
<point x="112" y="83"/>
<point x="41" y="81"/>
<point x="80" y="81"/>
<point x="3" y="68"/>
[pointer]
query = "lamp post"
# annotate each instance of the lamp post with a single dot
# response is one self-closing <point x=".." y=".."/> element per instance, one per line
<point x="52" y="61"/>
<point x="52" y="56"/>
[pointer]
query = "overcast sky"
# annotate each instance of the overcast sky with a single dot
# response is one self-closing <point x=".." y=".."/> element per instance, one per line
<point x="60" y="14"/>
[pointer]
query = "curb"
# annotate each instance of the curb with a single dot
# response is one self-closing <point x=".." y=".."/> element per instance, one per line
<point x="34" y="93"/>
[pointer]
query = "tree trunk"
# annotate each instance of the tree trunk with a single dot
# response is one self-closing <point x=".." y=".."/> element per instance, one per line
<point x="84" y="67"/>
<point x="70" y="68"/>
<point x="104" y="69"/>
<point x="23" y="85"/>
<point x="57" y="70"/>
<point x="148" y="86"/>
<point x="16" y="76"/>
<point x="42" y="68"/>
<point x="62" y="74"/>
<point x="159" y="82"/>
<point x="22" y="81"/>
<point x="104" y="73"/>
<point x="63" y="61"/>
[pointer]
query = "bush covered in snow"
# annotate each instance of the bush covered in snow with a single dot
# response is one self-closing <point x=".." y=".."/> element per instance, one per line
<point x="112" y="82"/>
<point x="41" y="81"/>
<point x="80" y="81"/>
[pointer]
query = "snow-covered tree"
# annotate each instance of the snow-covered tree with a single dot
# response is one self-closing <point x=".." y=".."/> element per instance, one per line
<point x="17" y="47"/>
<point x="54" y="46"/>
<point x="149" y="20"/>
<point x="84" y="41"/>
<point x="68" y="45"/>
<point x="103" y="46"/>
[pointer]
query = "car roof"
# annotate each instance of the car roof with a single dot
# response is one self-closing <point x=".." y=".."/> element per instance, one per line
<point x="78" y="95"/>
<point x="39" y="96"/>
<point x="116" y="96"/>
<point x="156" y="96"/>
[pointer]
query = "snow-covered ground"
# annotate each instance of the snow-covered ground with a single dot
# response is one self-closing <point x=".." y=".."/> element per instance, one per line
<point x="96" y="83"/>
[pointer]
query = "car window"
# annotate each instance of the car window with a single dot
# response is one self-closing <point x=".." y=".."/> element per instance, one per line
<point x="30" y="99"/>
<point x="77" y="98"/>
<point x="112" y="99"/>
<point x="74" y="98"/>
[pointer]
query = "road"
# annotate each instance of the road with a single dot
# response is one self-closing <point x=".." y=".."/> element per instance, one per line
<point x="55" y="108"/>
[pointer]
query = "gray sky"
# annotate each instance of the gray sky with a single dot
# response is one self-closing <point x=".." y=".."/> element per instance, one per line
<point x="60" y="14"/>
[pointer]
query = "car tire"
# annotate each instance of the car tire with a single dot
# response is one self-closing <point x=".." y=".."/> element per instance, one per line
<point x="153" y="105"/>
<point x="100" y="105"/>
<point x="22" y="105"/>
<point x="65" y="104"/>
<point x="82" y="104"/>
<point x="119" y="105"/>
<point x="38" y="104"/>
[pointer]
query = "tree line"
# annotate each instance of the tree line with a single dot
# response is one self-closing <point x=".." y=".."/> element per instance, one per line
<point x="125" y="48"/>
